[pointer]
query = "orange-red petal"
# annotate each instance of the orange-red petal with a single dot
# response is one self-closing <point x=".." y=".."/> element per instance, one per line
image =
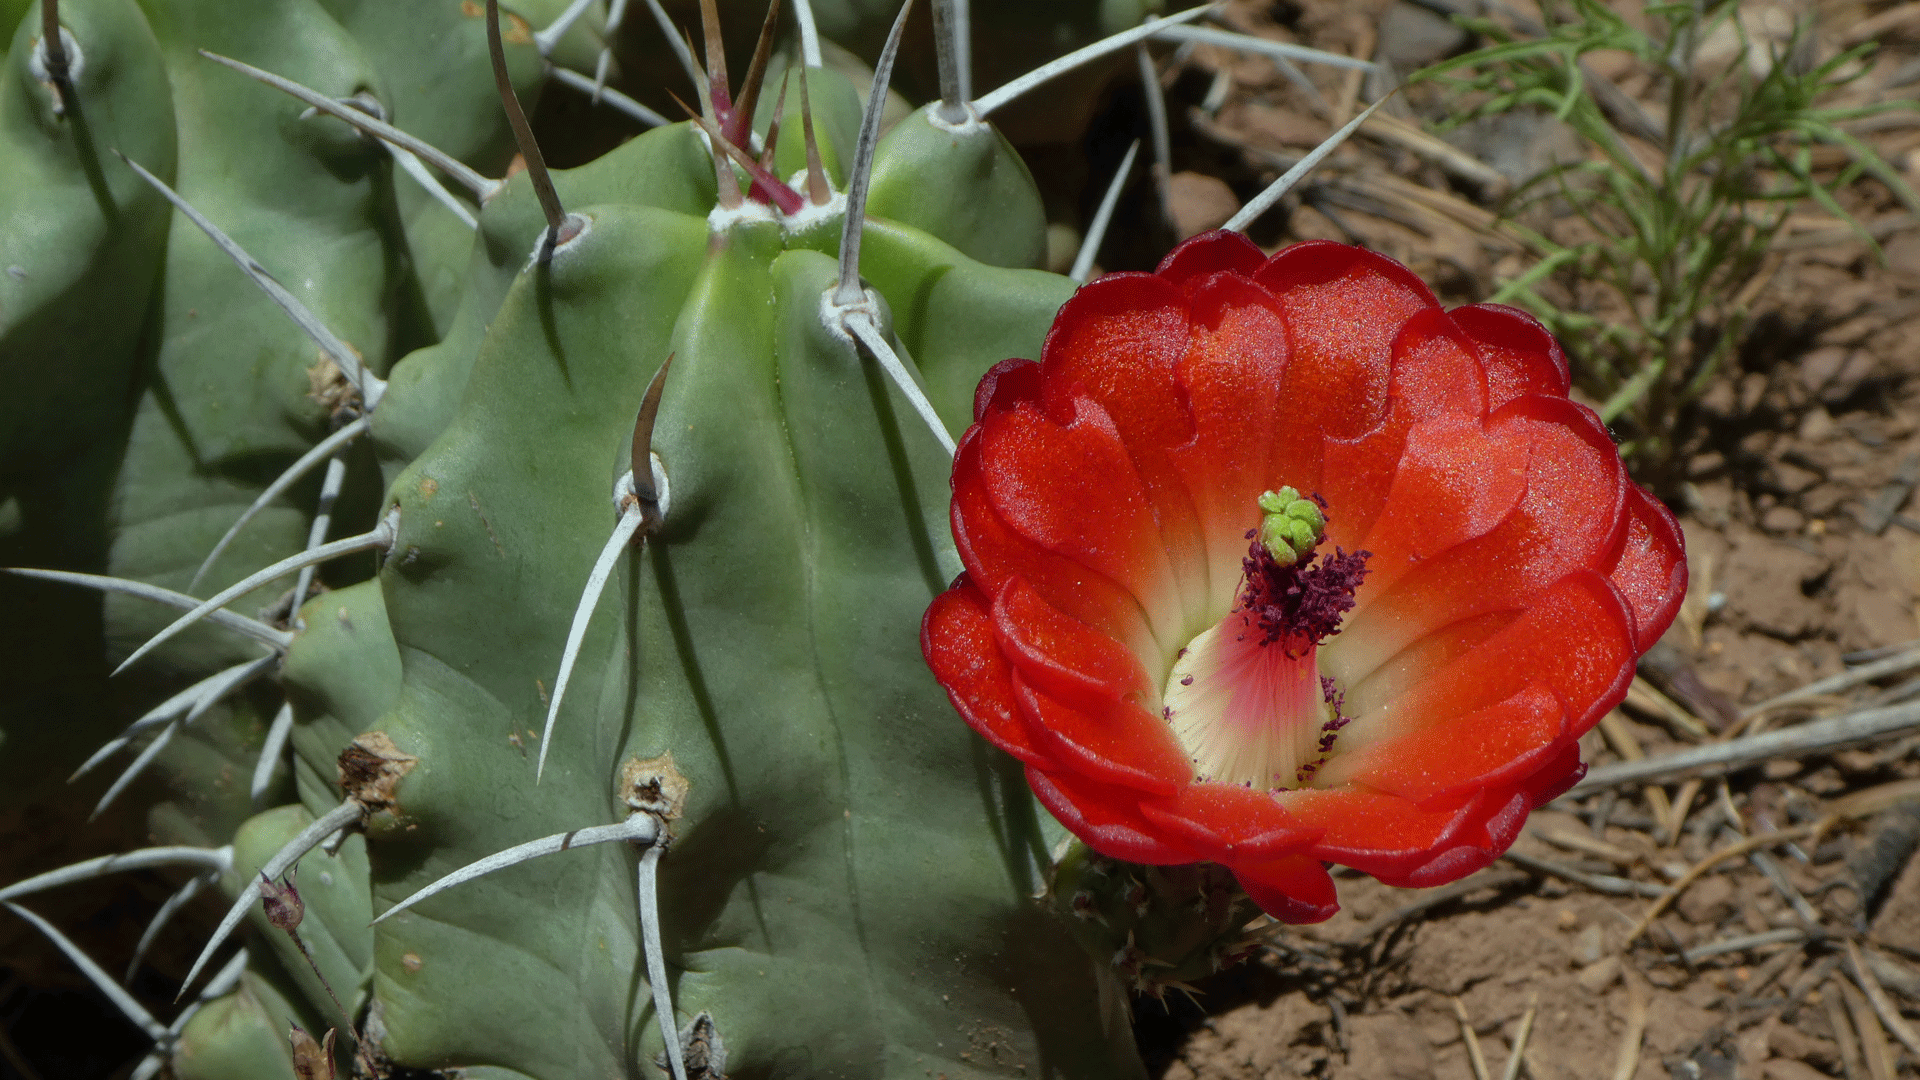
<point x="1296" y="889"/>
<point x="956" y="636"/>
<point x="1113" y="742"/>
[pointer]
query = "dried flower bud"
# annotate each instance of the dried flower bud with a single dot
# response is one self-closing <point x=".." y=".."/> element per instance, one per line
<point x="282" y="902"/>
<point x="311" y="1060"/>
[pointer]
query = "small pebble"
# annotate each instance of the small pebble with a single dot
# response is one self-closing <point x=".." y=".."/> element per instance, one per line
<point x="1568" y="920"/>
<point x="1599" y="975"/>
<point x="1588" y="946"/>
<point x="1783" y="520"/>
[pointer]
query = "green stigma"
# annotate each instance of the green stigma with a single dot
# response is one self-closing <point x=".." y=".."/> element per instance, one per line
<point x="1290" y="526"/>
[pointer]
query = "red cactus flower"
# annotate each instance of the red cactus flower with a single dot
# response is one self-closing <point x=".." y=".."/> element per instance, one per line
<point x="1387" y="667"/>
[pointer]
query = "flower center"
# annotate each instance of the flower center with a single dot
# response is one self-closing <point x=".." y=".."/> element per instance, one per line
<point x="1246" y="697"/>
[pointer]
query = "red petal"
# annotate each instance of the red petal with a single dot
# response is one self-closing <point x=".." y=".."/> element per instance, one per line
<point x="1005" y="385"/>
<point x="993" y="553"/>
<point x="1436" y="369"/>
<point x="1216" y="252"/>
<point x="1494" y="834"/>
<point x="1343" y="306"/>
<point x="1652" y="569"/>
<point x="1456" y="481"/>
<point x="1062" y="655"/>
<point x="1117" y="342"/>
<point x="1369" y="691"/>
<point x="1227" y="822"/>
<point x="1073" y="490"/>
<point x="1435" y="375"/>
<point x="1117" y="742"/>
<point x="1570" y="519"/>
<point x="1383" y="835"/>
<point x="1556" y="776"/>
<point x="1107" y="818"/>
<point x="1576" y="639"/>
<point x="1497" y="746"/>
<point x="1294" y="890"/>
<point x="1231" y="375"/>
<point x="956" y="637"/>
<point x="1521" y="358"/>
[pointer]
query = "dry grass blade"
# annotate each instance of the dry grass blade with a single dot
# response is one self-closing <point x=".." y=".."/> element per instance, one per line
<point x="1699" y="869"/>
<point x="1600" y="883"/>
<point x="1628" y="1059"/>
<point x="1846" y="680"/>
<point x="1518" y="1055"/>
<point x="1715" y="759"/>
<point x="1889" y="1014"/>
<point x="1478" y="1060"/>
<point x="1873" y="1039"/>
<point x="1614" y="728"/>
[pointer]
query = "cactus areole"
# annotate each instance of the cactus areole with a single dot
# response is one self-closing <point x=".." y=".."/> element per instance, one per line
<point x="1273" y="562"/>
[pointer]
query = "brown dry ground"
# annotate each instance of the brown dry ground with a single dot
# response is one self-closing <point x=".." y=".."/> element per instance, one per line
<point x="1811" y="441"/>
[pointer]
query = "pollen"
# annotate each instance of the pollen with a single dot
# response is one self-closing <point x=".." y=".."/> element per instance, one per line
<point x="1246" y="697"/>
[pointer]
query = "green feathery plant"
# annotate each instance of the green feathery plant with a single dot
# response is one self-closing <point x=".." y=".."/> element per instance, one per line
<point x="1679" y="233"/>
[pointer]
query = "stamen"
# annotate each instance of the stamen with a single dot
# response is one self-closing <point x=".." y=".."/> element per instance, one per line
<point x="1248" y="712"/>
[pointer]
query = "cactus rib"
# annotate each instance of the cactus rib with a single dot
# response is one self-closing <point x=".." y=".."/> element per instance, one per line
<point x="1097" y="228"/>
<point x="370" y="385"/>
<point x="348" y="813"/>
<point x="216" y="859"/>
<point x="272" y="637"/>
<point x="287" y="478"/>
<point x="379" y="537"/>
<point x="1264" y="201"/>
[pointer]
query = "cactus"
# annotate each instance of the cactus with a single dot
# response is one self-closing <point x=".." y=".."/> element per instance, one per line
<point x="643" y="467"/>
